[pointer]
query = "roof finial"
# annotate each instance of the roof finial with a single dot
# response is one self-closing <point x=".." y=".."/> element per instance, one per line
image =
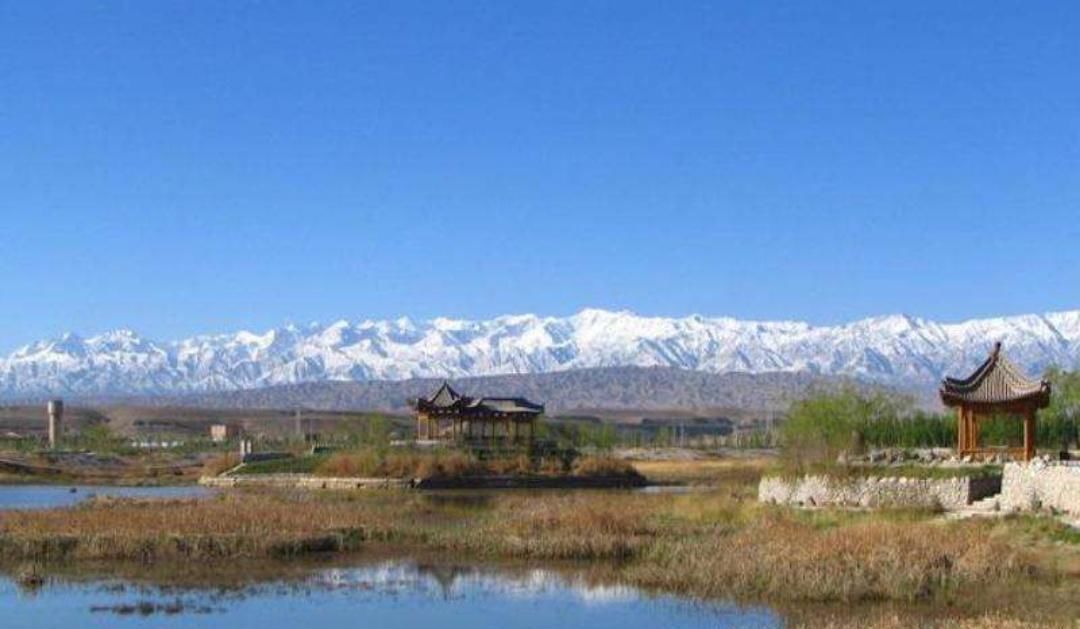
<point x="997" y="348"/>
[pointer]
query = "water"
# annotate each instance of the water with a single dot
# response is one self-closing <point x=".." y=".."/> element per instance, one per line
<point x="48" y="496"/>
<point x="391" y="593"/>
<point x="674" y="489"/>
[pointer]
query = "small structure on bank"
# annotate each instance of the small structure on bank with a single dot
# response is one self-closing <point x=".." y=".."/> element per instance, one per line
<point x="997" y="387"/>
<point x="224" y="432"/>
<point x="449" y="416"/>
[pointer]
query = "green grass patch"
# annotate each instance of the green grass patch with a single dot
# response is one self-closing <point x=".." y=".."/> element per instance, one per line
<point x="1047" y="529"/>
<point x="295" y="465"/>
<point x="907" y="470"/>
<point x="913" y="470"/>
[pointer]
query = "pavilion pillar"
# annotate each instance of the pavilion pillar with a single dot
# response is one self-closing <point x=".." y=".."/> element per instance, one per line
<point x="961" y="433"/>
<point x="1029" y="434"/>
<point x="967" y="429"/>
<point x="969" y="421"/>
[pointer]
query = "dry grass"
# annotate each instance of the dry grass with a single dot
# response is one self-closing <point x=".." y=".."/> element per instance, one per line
<point x="401" y="464"/>
<point x="603" y="466"/>
<point x="919" y="618"/>
<point x="744" y="472"/>
<point x="220" y="463"/>
<point x="586" y="526"/>
<point x="780" y="556"/>
<point x="457" y="464"/>
<point x="233" y="525"/>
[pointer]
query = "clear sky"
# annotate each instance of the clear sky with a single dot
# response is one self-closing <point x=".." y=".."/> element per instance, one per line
<point x="184" y="167"/>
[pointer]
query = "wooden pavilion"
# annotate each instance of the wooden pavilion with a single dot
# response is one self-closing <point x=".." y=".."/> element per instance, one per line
<point x="997" y="387"/>
<point x="449" y="416"/>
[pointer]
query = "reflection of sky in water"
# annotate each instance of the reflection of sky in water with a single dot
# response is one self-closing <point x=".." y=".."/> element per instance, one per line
<point x="451" y="582"/>
<point x="49" y="496"/>
<point x="391" y="594"/>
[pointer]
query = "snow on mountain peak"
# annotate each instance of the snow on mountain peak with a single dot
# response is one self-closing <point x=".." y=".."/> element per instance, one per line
<point x="894" y="349"/>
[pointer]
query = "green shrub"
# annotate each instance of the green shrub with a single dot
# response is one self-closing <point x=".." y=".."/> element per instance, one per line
<point x="819" y="427"/>
<point x="1059" y="425"/>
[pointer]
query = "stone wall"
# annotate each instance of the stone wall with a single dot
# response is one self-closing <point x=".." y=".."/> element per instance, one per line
<point x="1041" y="485"/>
<point x="304" y="481"/>
<point x="872" y="492"/>
<point x="307" y="481"/>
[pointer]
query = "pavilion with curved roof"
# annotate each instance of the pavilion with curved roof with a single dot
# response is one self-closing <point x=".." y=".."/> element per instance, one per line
<point x="446" y="415"/>
<point x="997" y="387"/>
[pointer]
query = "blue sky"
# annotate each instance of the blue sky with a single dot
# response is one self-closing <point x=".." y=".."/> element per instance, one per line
<point x="181" y="167"/>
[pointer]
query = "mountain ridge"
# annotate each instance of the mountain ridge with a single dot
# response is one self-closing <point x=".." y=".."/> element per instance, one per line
<point x="895" y="350"/>
<point x="618" y="391"/>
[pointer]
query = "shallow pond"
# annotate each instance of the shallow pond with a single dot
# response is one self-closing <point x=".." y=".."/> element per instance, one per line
<point x="391" y="593"/>
<point x="48" y="496"/>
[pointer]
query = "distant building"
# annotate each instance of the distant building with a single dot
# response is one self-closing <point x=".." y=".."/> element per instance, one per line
<point x="224" y="432"/>
<point x="449" y="416"/>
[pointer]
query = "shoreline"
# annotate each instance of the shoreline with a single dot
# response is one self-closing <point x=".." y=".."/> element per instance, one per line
<point x="308" y="481"/>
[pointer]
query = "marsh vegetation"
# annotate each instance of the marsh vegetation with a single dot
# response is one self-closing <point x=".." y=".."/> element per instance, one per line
<point x="717" y="543"/>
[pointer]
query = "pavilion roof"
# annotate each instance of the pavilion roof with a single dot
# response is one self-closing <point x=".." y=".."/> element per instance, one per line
<point x="446" y="400"/>
<point x="507" y="405"/>
<point x="444" y="397"/>
<point x="996" y="381"/>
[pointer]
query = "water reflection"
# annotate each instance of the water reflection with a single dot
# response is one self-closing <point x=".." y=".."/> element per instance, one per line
<point x="51" y="496"/>
<point x="390" y="593"/>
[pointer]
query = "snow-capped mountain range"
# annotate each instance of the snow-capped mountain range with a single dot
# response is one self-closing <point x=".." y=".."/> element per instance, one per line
<point x="896" y="350"/>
